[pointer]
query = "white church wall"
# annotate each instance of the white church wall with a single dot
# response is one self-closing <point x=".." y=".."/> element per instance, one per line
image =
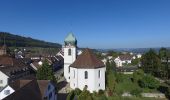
<point x="66" y="72"/>
<point x="93" y="82"/>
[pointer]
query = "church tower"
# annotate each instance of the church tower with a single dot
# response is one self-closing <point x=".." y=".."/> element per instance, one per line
<point x="70" y="53"/>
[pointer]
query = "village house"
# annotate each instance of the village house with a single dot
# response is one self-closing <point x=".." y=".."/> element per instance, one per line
<point x="29" y="90"/>
<point x="123" y="59"/>
<point x="6" y="91"/>
<point x="139" y="55"/>
<point x="12" y="69"/>
<point x="56" y="63"/>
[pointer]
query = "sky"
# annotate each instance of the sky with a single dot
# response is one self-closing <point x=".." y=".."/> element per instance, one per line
<point x="100" y="24"/>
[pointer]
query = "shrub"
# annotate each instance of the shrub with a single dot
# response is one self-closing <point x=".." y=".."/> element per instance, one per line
<point x="110" y="93"/>
<point x="101" y="92"/>
<point x="119" y="77"/>
<point x="85" y="95"/>
<point x="77" y="91"/>
<point x="149" y="81"/>
<point x="168" y="93"/>
<point x="137" y="75"/>
<point x="136" y="92"/>
<point x="71" y="96"/>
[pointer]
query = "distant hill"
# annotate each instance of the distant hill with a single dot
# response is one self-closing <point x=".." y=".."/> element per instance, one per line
<point x="12" y="40"/>
<point x="134" y="50"/>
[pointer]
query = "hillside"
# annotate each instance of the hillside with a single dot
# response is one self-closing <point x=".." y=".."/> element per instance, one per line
<point x="12" y="40"/>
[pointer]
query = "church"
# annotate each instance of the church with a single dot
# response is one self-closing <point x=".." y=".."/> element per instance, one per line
<point x="84" y="70"/>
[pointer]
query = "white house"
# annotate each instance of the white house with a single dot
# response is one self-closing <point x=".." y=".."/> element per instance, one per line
<point x="118" y="62"/>
<point x="6" y="91"/>
<point x="104" y="61"/>
<point x="139" y="55"/>
<point x="86" y="70"/>
<point x="79" y="52"/>
<point x="123" y="59"/>
<point x="3" y="79"/>
<point x="109" y="57"/>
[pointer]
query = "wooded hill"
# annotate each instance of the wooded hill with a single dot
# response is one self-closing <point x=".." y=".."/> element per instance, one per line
<point x="12" y="40"/>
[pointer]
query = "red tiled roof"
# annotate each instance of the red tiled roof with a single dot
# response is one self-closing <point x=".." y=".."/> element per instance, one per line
<point x="125" y="57"/>
<point x="28" y="90"/>
<point x="87" y="60"/>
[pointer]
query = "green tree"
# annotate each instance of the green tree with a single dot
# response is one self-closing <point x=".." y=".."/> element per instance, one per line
<point x="162" y="52"/>
<point x="136" y="61"/>
<point x="151" y="63"/>
<point x="45" y="72"/>
<point x="110" y="76"/>
<point x="164" y="55"/>
<point x="149" y="81"/>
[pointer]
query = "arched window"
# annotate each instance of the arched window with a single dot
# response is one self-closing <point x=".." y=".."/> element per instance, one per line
<point x="69" y="52"/>
<point x="69" y="69"/>
<point x="86" y="75"/>
<point x="74" y="73"/>
<point x="99" y="73"/>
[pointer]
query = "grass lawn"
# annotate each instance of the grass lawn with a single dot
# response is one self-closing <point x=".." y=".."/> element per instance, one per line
<point x="130" y="98"/>
<point x="127" y="86"/>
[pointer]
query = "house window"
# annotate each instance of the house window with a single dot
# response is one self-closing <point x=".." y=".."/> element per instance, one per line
<point x="86" y="75"/>
<point x="49" y="87"/>
<point x="69" y="52"/>
<point x="99" y="74"/>
<point x="1" y="81"/>
<point x="7" y="92"/>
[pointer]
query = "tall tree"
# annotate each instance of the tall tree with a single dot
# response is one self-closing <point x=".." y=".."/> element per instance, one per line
<point x="151" y="63"/>
<point x="45" y="72"/>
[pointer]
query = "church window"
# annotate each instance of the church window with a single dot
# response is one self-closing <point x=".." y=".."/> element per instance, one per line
<point x="86" y="75"/>
<point x="69" y="52"/>
<point x="99" y="73"/>
<point x="74" y="73"/>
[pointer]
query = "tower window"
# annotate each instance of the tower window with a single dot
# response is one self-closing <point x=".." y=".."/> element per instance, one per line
<point x="69" y="52"/>
<point x="86" y="75"/>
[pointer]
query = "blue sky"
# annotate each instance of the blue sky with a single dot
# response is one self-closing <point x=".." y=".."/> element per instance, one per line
<point x="95" y="23"/>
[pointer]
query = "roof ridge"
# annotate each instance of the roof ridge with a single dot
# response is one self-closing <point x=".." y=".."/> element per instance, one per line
<point x="87" y="60"/>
